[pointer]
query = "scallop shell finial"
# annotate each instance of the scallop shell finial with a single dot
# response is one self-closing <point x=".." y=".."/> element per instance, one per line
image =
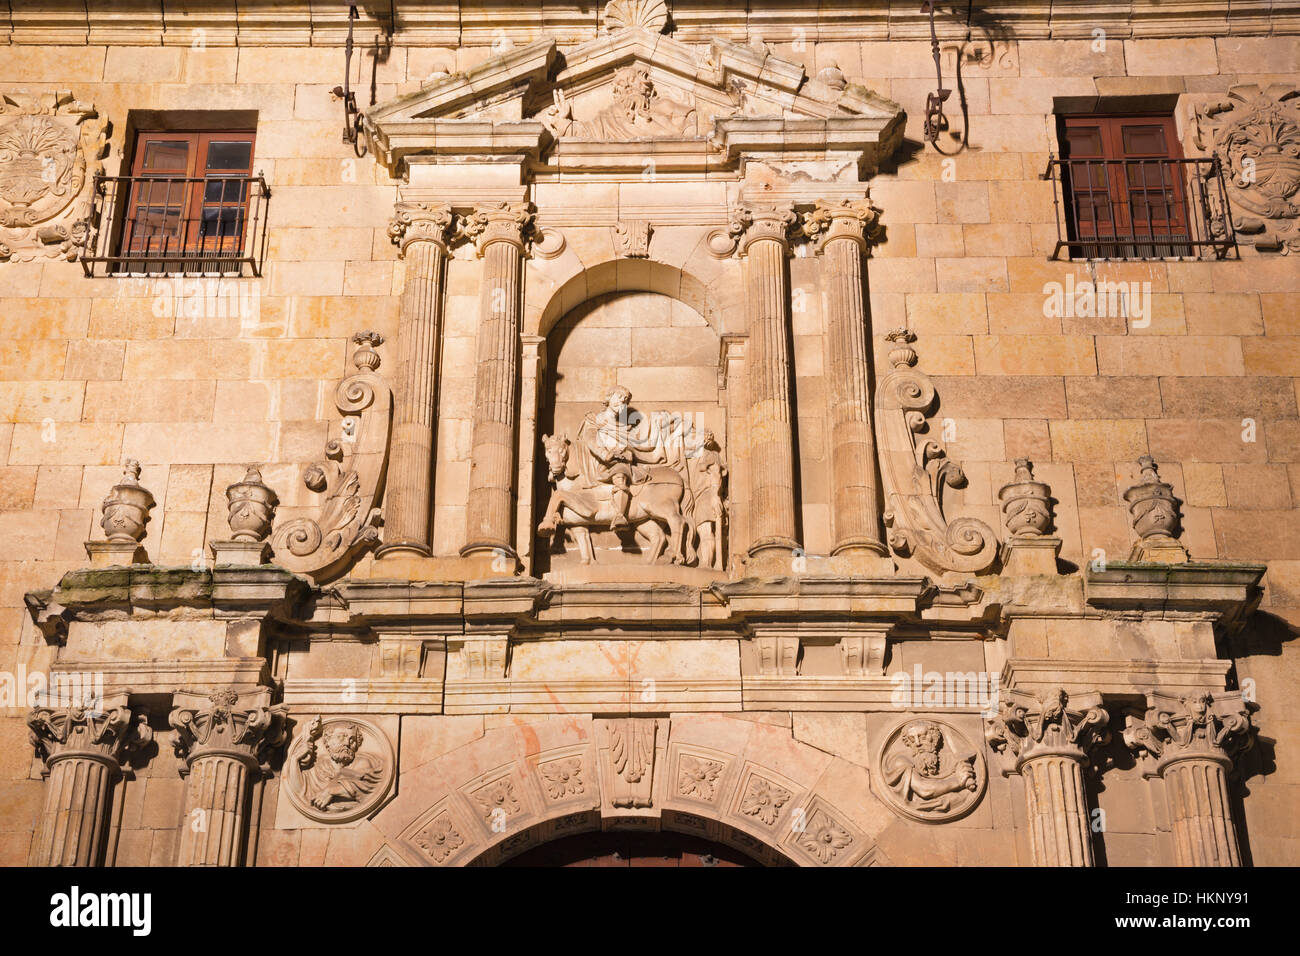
<point x="649" y="15"/>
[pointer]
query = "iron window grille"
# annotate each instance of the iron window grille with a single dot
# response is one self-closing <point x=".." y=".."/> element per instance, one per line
<point x="1141" y="208"/>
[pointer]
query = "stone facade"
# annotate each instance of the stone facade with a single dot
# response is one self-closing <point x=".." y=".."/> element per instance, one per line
<point x="642" y="426"/>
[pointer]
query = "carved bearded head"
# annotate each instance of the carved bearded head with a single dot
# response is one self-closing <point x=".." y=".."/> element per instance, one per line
<point x="342" y="743"/>
<point x="633" y="91"/>
<point x="924" y="740"/>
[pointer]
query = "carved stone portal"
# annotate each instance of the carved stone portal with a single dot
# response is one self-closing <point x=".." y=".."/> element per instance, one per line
<point x="49" y="156"/>
<point x="339" y="770"/>
<point x="929" y="772"/>
<point x="1256" y="133"/>
<point x="653" y="475"/>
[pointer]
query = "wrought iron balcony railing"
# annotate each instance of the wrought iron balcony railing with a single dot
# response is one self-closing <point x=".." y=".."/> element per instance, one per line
<point x="1141" y="208"/>
<point x="169" y="225"/>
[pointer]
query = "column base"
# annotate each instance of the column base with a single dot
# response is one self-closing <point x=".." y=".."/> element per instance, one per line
<point x="410" y="549"/>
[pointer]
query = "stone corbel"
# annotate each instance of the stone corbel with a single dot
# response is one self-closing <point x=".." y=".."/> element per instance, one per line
<point x="349" y="477"/>
<point x="915" y="472"/>
<point x="863" y="655"/>
<point x="778" y="654"/>
<point x="628" y="753"/>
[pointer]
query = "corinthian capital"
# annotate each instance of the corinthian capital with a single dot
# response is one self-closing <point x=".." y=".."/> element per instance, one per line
<point x="419" y="222"/>
<point x="499" y="222"/>
<point x="750" y="222"/>
<point x="1053" y="723"/>
<point x="855" y="219"/>
<point x="1211" y="726"/>
<point x="243" y="726"/>
<point x="105" y="732"/>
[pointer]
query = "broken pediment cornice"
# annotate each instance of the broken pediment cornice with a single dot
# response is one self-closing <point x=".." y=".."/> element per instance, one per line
<point x="737" y="98"/>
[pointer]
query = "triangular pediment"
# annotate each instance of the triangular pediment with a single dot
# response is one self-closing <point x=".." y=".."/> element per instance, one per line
<point x="626" y="87"/>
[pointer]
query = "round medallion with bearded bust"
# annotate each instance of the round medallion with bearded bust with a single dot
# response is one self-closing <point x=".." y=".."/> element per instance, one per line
<point x="339" y="769"/>
<point x="927" y="771"/>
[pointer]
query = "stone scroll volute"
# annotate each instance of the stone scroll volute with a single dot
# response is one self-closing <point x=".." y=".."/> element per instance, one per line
<point x="348" y="478"/>
<point x="51" y="148"/>
<point x="915" y="471"/>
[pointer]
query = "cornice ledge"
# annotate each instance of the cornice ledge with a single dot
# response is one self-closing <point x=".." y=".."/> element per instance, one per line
<point x="875" y="137"/>
<point x="230" y="591"/>
<point x="372" y="602"/>
<point x="1228" y="590"/>
<point x="801" y="597"/>
<point x="1114" y="677"/>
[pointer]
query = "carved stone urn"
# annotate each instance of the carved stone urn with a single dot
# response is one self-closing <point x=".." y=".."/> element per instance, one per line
<point x="1027" y="511"/>
<point x="126" y="509"/>
<point x="1153" y="509"/>
<point x="1026" y="503"/>
<point x="252" y="507"/>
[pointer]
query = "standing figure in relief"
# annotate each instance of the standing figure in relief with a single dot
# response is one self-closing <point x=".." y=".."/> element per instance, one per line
<point x="709" y="477"/>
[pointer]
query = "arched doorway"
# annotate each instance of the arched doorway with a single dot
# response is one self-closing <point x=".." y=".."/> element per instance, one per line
<point x="620" y="848"/>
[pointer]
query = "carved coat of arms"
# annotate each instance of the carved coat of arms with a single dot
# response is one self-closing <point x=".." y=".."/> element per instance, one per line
<point x="48" y="155"/>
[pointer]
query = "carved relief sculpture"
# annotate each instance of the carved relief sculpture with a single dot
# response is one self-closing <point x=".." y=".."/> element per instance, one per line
<point x="49" y="156"/>
<point x="631" y="760"/>
<point x="916" y="470"/>
<point x="632" y="238"/>
<point x="439" y="839"/>
<point x="648" y="474"/>
<point x="1256" y="134"/>
<point x="764" y="799"/>
<point x="649" y="15"/>
<point x="563" y="777"/>
<point x="638" y="110"/>
<point x="339" y="770"/>
<point x="929" y="771"/>
<point x="697" y="777"/>
<point x="823" y="837"/>
<point x="348" y="478"/>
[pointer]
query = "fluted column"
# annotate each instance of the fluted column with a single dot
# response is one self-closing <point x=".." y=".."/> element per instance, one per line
<point x="498" y="232"/>
<point x="225" y="739"/>
<point x="420" y="232"/>
<point x="1047" y="740"/>
<point x="843" y="229"/>
<point x="82" y="749"/>
<point x="1190" y="743"/>
<point x="764" y="245"/>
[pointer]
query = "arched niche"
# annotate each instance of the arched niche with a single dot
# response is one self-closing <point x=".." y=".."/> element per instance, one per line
<point x="665" y="353"/>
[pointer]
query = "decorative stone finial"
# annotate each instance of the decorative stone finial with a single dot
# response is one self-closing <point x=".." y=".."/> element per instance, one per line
<point x="252" y="507"/>
<point x="1153" y="510"/>
<point x="1026" y="503"/>
<point x="365" y="357"/>
<point x="649" y="15"/>
<point x="902" y="355"/>
<point x="126" y="509"/>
